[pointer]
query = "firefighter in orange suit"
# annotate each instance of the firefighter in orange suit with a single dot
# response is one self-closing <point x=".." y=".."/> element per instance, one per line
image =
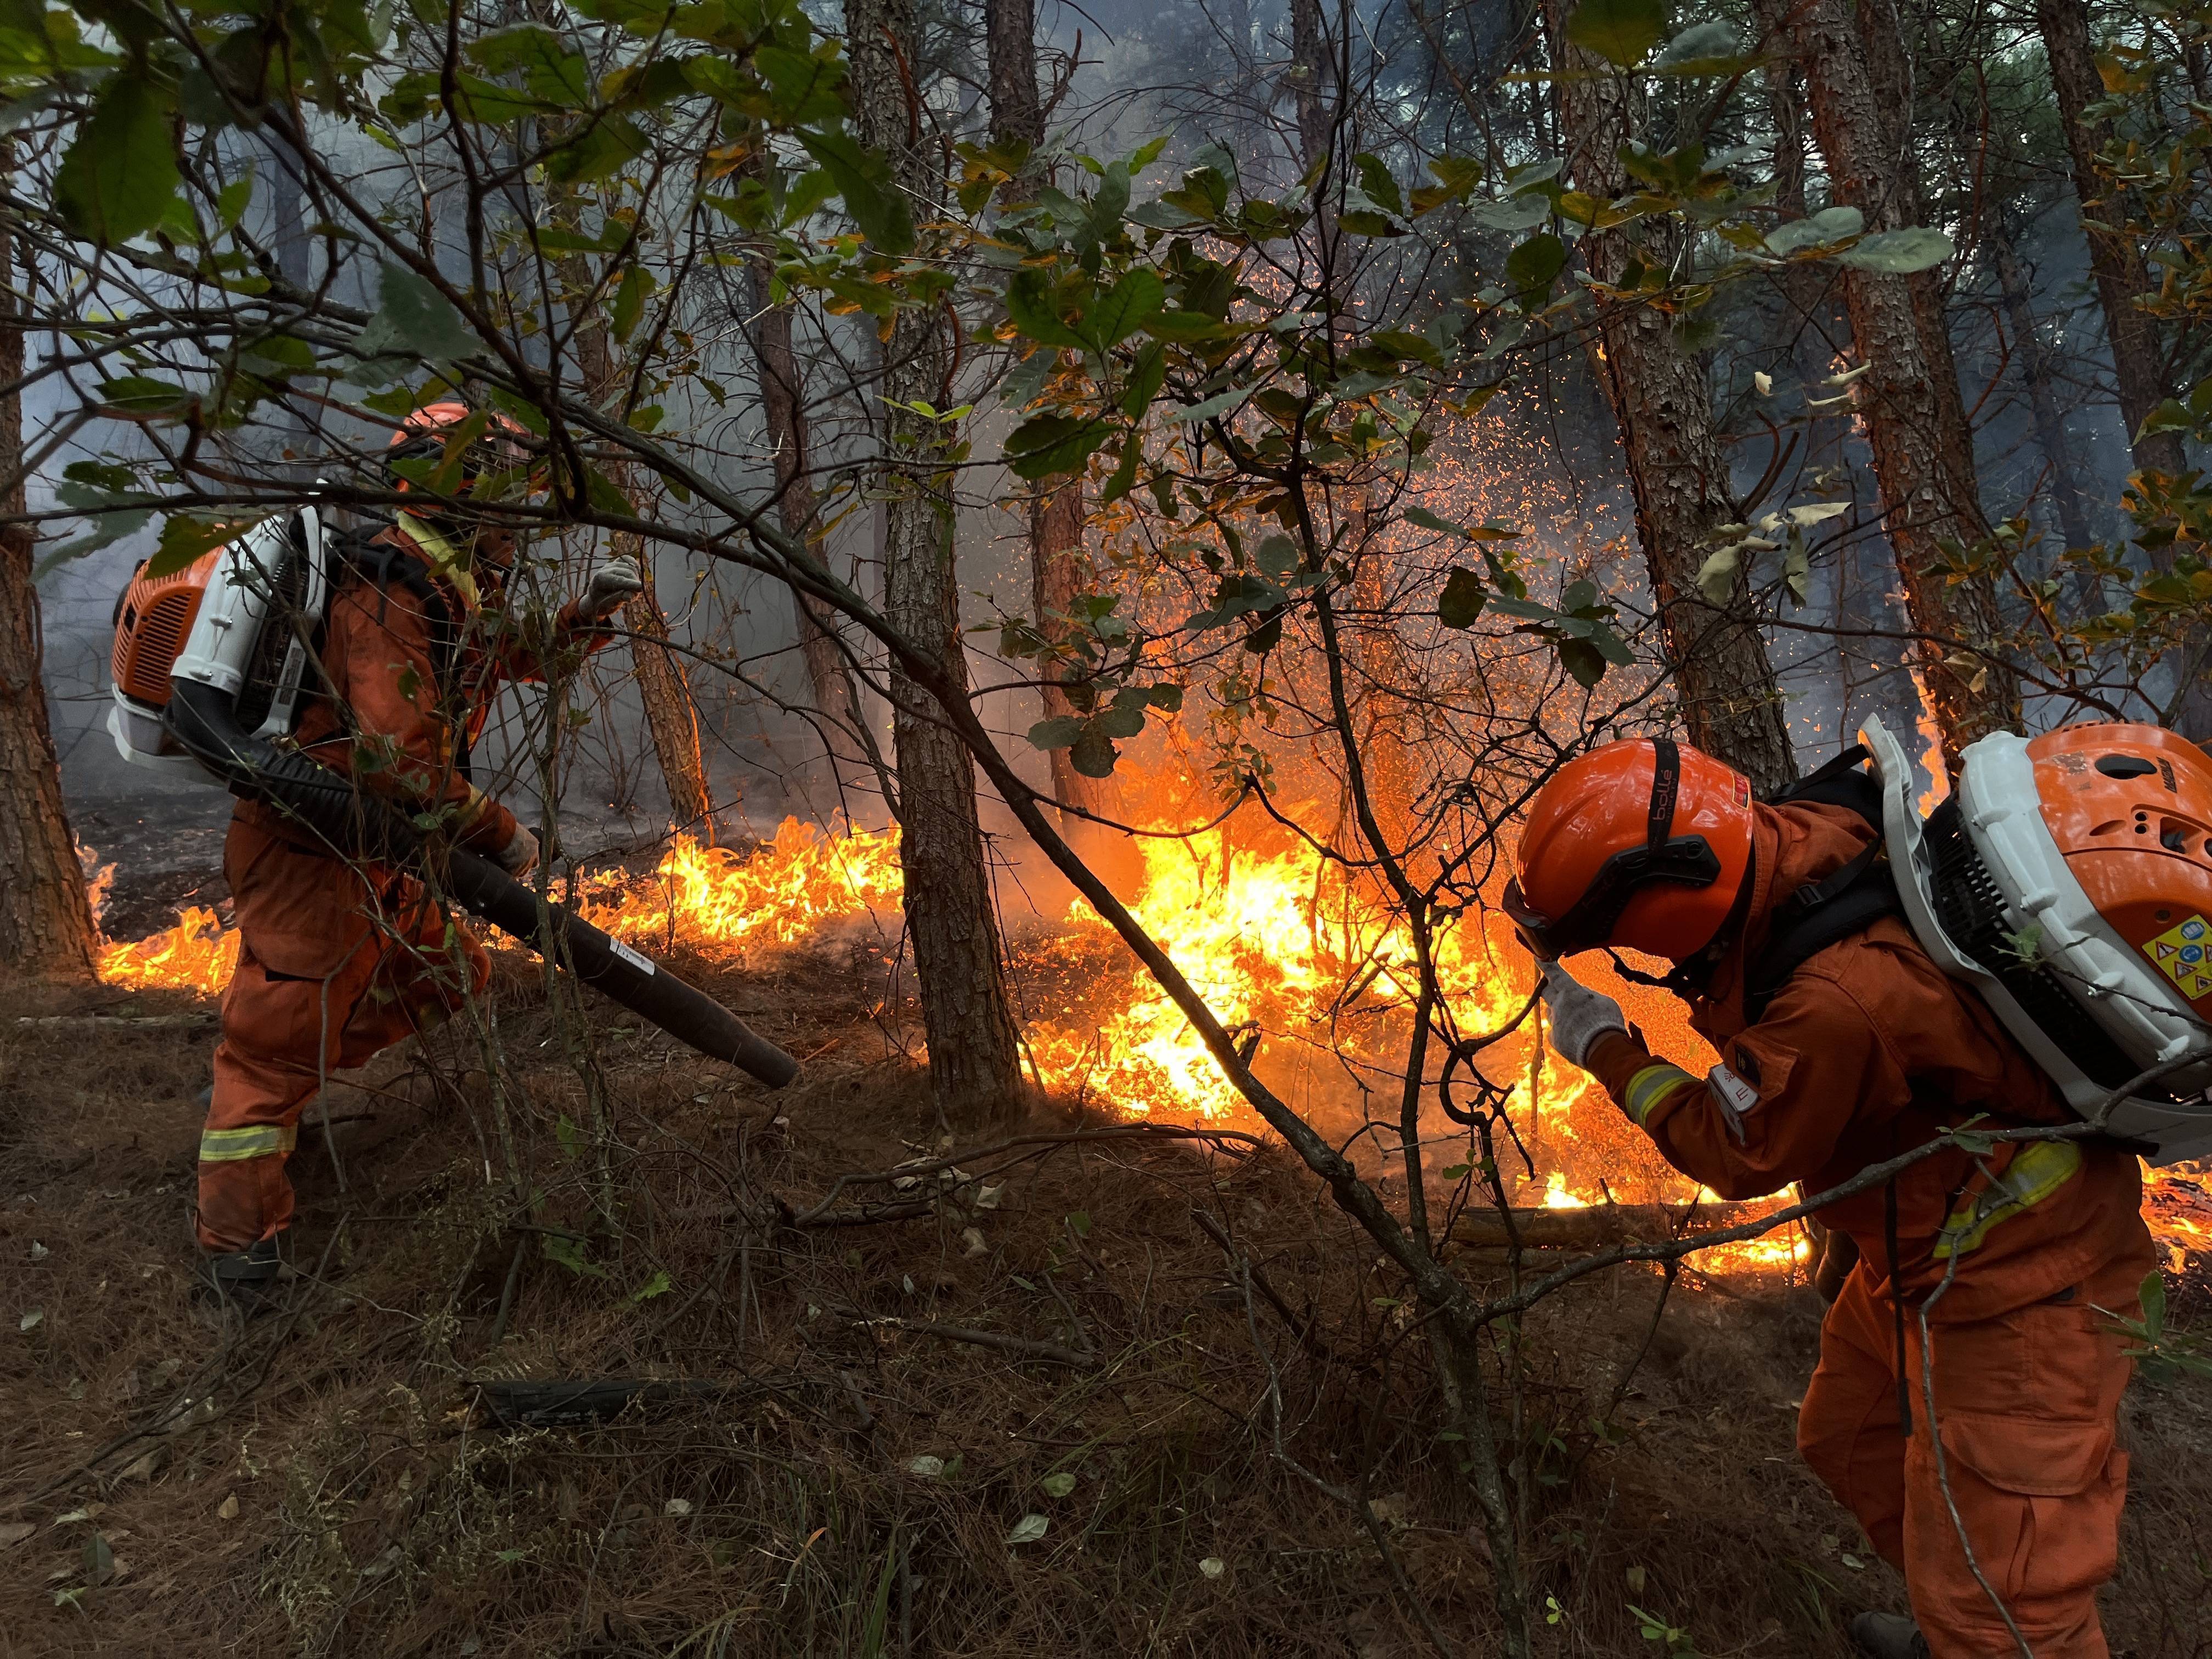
<point x="1865" y="1051"/>
<point x="340" y="959"/>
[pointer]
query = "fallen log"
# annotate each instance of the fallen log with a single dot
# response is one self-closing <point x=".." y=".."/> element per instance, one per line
<point x="1596" y="1227"/>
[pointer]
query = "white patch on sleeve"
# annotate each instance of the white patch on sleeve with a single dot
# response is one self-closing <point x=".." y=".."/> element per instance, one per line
<point x="643" y="964"/>
<point x="1736" y="1099"/>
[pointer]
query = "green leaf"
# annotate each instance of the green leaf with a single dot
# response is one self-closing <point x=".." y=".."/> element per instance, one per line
<point x="1532" y="267"/>
<point x="1899" y="252"/>
<point x="1712" y="47"/>
<point x="1582" y="660"/>
<point x="1058" y="1485"/>
<point x="637" y="287"/>
<point x="120" y="171"/>
<point x="1716" y="575"/>
<point x="570" y="1253"/>
<point x="413" y="316"/>
<point x="1379" y="184"/>
<point x="1056" y="734"/>
<point x="1050" y="445"/>
<point x="139" y="394"/>
<point x="1619" y="31"/>
<point x="1461" y="604"/>
<point x="1835" y="224"/>
<point x="1147" y="375"/>
<point x="1093" y="755"/>
<point x="184" y="538"/>
<point x="1220" y="404"/>
<point x="864" y="180"/>
<point x="1029" y="305"/>
<point x="1028" y="1529"/>
<point x="1124" y="478"/>
<point x="1125" y="307"/>
<point x="659" y="1285"/>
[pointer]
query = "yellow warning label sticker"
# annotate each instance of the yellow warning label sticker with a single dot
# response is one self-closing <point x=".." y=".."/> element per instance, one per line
<point x="2184" y="955"/>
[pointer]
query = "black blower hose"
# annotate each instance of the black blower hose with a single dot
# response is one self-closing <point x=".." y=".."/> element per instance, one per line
<point x="204" y="720"/>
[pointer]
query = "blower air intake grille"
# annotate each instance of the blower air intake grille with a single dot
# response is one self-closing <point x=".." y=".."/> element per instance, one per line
<point x="288" y="595"/>
<point x="1968" y="904"/>
<point x="145" y="650"/>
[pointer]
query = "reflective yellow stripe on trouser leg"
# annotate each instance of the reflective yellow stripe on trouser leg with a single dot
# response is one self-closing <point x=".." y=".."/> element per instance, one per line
<point x="256" y="1140"/>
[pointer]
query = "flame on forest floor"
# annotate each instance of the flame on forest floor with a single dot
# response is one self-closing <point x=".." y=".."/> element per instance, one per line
<point x="197" y="954"/>
<point x="1295" y="960"/>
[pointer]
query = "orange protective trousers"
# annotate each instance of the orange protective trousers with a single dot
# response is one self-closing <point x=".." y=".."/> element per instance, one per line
<point x="334" y="966"/>
<point x="2027" y="1408"/>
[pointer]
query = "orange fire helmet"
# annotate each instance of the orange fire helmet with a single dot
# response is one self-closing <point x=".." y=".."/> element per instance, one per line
<point x="425" y="431"/>
<point x="1643" y="845"/>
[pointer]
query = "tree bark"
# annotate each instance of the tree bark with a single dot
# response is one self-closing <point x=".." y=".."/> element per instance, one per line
<point x="2138" y="360"/>
<point x="1916" y="424"/>
<point x="973" y="1060"/>
<point x="1730" y="704"/>
<point x="671" y="714"/>
<point x="1056" y="516"/>
<point x="45" y="918"/>
<point x="783" y="409"/>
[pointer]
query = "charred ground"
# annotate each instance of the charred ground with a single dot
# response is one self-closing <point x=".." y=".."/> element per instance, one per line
<point x="336" y="1480"/>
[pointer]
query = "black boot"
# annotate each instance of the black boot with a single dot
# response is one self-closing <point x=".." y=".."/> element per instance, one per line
<point x="245" y="1281"/>
<point x="1888" y="1636"/>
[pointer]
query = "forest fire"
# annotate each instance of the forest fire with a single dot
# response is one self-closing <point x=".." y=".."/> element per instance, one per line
<point x="1304" y="969"/>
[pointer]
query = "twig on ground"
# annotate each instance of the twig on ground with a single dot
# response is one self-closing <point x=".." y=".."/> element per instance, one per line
<point x="1027" y="1347"/>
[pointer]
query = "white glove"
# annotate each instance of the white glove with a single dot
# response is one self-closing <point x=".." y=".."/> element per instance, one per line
<point x="610" y="588"/>
<point x="1579" y="1016"/>
<point x="519" y="856"/>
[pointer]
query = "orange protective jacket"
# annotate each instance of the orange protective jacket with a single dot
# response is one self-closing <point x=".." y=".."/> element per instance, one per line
<point x="1868" y="1051"/>
<point x="411" y="688"/>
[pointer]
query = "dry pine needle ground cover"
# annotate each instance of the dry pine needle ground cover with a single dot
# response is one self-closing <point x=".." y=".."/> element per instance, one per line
<point x="1022" y="1405"/>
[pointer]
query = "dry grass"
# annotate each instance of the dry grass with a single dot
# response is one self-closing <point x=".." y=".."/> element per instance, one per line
<point x="334" y="1487"/>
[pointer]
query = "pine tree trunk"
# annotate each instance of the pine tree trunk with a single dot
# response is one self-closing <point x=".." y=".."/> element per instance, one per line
<point x="671" y="716"/>
<point x="1916" y="424"/>
<point x="2116" y="261"/>
<point x="1730" y="704"/>
<point x="974" y="1058"/>
<point x="45" y="919"/>
<point x="1056" y="511"/>
<point x="783" y="411"/>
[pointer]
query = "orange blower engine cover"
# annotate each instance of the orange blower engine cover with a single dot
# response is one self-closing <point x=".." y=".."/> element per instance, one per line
<point x="2131" y="808"/>
<point x="153" y="620"/>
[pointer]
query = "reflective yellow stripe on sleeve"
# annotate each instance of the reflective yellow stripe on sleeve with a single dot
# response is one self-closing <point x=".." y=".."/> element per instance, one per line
<point x="257" y="1141"/>
<point x="1653" y="1084"/>
<point x="2037" y="1170"/>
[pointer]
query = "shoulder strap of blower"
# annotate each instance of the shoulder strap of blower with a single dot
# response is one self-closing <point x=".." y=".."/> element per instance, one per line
<point x="1820" y="913"/>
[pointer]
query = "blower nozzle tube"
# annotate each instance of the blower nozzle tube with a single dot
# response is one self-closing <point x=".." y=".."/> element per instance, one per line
<point x="204" y="720"/>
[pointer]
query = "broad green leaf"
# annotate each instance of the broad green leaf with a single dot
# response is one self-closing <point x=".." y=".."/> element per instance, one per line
<point x="1461" y="603"/>
<point x="1029" y="304"/>
<point x="1220" y="404"/>
<point x="1093" y="755"/>
<point x="120" y="171"/>
<point x="1532" y="267"/>
<point x="1716" y="575"/>
<point x="413" y="316"/>
<point x="1058" y="1485"/>
<point x="1582" y="660"/>
<point x="864" y="180"/>
<point x="1147" y="375"/>
<point x="1050" y="445"/>
<point x="1712" y="47"/>
<point x="1899" y="252"/>
<point x="140" y="394"/>
<point x="659" y="1285"/>
<point x="637" y="287"/>
<point x="1124" y="308"/>
<point x="1622" y="31"/>
<point x="1055" y="733"/>
<point x="1028" y="1529"/>
<point x="1835" y="224"/>
<point x="184" y="538"/>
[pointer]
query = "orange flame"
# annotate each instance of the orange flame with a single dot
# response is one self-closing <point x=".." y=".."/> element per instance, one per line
<point x="197" y="954"/>
<point x="783" y="893"/>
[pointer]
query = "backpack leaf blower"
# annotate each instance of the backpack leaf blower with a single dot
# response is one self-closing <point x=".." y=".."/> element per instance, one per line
<point x="210" y="672"/>
<point x="2068" y="879"/>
